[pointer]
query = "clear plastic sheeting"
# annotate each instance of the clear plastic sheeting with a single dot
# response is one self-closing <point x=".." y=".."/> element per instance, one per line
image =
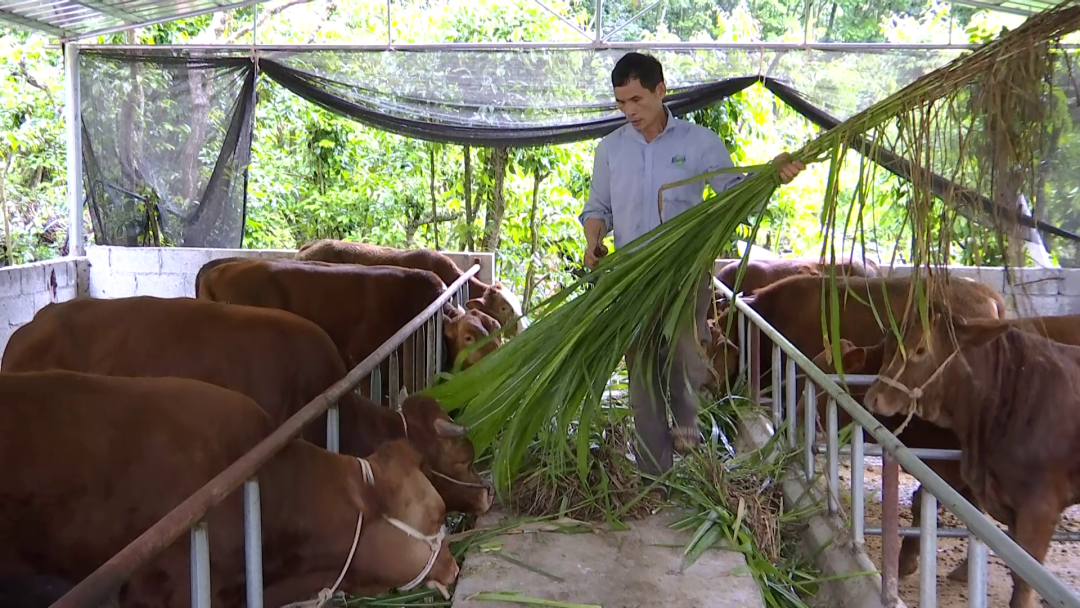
<point x="166" y="146"/>
<point x="502" y="94"/>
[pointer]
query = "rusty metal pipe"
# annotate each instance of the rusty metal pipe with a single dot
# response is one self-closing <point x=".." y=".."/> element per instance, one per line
<point x="97" y="588"/>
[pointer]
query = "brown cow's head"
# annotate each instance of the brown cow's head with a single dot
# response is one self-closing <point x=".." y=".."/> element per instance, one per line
<point x="915" y="373"/>
<point x="449" y="453"/>
<point x="505" y="306"/>
<point x="853" y="360"/>
<point x="402" y="492"/>
<point x="466" y="330"/>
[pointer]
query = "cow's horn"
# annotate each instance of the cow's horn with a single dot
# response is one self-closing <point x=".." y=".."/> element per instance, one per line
<point x="445" y="428"/>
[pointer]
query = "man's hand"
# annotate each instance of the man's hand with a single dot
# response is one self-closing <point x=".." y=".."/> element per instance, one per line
<point x="593" y="255"/>
<point x="788" y="168"/>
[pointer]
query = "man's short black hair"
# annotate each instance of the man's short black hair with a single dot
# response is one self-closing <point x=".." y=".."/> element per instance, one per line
<point x="646" y="69"/>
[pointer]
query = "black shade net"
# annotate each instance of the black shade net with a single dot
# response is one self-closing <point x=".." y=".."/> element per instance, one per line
<point x="167" y="134"/>
<point x="166" y="146"/>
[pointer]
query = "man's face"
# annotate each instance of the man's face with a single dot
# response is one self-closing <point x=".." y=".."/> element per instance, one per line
<point x="640" y="105"/>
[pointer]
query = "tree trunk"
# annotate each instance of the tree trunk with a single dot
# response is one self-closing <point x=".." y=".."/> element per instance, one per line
<point x="9" y="249"/>
<point x="434" y="204"/>
<point x="467" y="242"/>
<point x="496" y="206"/>
<point x="534" y="244"/>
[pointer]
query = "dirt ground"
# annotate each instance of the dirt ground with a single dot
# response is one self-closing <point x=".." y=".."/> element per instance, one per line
<point x="1063" y="558"/>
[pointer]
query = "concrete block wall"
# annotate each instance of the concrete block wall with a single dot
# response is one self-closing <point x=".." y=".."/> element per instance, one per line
<point x="169" y="272"/>
<point x="27" y="288"/>
<point x="1028" y="292"/>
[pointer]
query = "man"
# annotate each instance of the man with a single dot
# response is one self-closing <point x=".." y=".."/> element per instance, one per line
<point x="630" y="166"/>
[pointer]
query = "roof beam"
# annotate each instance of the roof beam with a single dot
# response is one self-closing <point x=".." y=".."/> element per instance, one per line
<point x="34" y="24"/>
<point x="993" y="7"/>
<point x="149" y="22"/>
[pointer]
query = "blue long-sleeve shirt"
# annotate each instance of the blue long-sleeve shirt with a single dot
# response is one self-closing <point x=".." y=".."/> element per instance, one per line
<point x="628" y="173"/>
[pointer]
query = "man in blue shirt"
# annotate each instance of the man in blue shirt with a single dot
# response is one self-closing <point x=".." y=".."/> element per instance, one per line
<point x="630" y="166"/>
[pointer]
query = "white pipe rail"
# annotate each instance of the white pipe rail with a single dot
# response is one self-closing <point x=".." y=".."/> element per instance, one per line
<point x="1052" y="589"/>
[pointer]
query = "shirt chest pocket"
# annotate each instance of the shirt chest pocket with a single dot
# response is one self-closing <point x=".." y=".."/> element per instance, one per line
<point x="678" y="198"/>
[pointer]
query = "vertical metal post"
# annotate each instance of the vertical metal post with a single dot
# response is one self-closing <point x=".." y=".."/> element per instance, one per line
<point x="253" y="543"/>
<point x="73" y="128"/>
<point x="438" y="342"/>
<point x="792" y="404"/>
<point x="744" y="346"/>
<point x="392" y="390"/>
<point x="389" y="25"/>
<point x="777" y="387"/>
<point x="810" y="415"/>
<point x="858" y="499"/>
<point x="332" y="425"/>
<point x="833" y="440"/>
<point x="755" y="364"/>
<point x="890" y="529"/>
<point x="807" y="18"/>
<point x="429" y="361"/>
<point x="977" y="579"/>
<point x="200" y="565"/>
<point x="376" y="384"/>
<point x="928" y="551"/>
<point x="599" y="21"/>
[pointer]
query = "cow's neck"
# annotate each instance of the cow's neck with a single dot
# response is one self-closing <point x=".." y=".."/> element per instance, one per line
<point x="309" y="519"/>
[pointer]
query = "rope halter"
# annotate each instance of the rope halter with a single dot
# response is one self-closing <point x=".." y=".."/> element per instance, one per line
<point x="434" y="541"/>
<point x="467" y="484"/>
<point x="914" y="393"/>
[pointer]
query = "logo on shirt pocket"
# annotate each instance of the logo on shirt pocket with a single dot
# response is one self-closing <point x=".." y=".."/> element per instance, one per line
<point x="678" y="159"/>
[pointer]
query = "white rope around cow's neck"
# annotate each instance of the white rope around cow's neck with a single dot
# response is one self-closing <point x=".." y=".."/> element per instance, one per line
<point x="914" y="393"/>
<point x="467" y="484"/>
<point x="327" y="595"/>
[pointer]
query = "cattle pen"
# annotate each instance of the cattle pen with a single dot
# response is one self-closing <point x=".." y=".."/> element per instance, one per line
<point x="858" y="557"/>
<point x="110" y="272"/>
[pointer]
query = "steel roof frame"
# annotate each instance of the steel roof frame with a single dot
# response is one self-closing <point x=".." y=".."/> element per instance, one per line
<point x="73" y="20"/>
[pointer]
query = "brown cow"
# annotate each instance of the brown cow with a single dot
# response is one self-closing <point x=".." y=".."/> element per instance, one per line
<point x="760" y="273"/>
<point x="495" y="299"/>
<point x="91" y="462"/>
<point x="793" y="306"/>
<point x="917" y="434"/>
<point x="278" y="359"/>
<point x="1064" y="329"/>
<point x="360" y="307"/>
<point x="1012" y="398"/>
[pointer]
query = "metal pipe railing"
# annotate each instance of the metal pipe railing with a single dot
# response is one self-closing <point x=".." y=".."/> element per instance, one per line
<point x="97" y="588"/>
<point x="1052" y="589"/>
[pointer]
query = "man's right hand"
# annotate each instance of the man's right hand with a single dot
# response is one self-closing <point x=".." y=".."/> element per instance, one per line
<point x="593" y="254"/>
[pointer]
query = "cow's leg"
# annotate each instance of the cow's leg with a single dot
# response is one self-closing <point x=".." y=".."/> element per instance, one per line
<point x="689" y="372"/>
<point x="652" y="449"/>
<point x="1032" y="528"/>
<point x="909" y="546"/>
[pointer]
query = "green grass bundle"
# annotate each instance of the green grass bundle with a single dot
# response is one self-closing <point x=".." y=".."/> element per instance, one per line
<point x="552" y="376"/>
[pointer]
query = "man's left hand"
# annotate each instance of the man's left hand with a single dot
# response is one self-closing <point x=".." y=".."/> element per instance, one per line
<point x="788" y="168"/>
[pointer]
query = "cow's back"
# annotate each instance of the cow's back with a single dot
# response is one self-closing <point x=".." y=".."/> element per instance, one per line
<point x="794" y="306"/>
<point x="365" y="254"/>
<point x="360" y="307"/>
<point x="280" y="360"/>
<point x="91" y="462"/>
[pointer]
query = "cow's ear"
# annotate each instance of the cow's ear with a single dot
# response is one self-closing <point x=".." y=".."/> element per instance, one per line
<point x="853" y="359"/>
<point x="979" y="333"/>
<point x="475" y="304"/>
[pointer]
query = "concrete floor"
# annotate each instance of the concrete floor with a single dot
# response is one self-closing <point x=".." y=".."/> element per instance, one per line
<point x="638" y="568"/>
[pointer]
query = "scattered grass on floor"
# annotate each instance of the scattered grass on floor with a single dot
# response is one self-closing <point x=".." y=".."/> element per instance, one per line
<point x="731" y="501"/>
